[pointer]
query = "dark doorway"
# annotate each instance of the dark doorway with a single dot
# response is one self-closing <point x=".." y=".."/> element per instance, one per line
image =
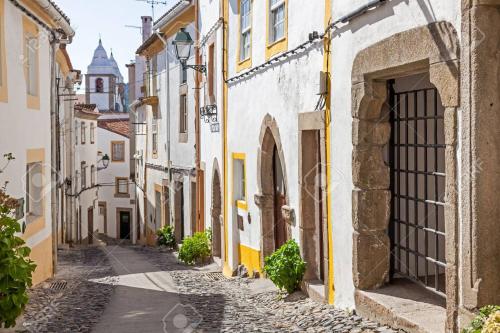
<point x="124" y="225"/>
<point x="279" y="196"/>
<point x="179" y="212"/>
<point x="90" y="225"/>
<point x="216" y="212"/>
<point x="417" y="161"/>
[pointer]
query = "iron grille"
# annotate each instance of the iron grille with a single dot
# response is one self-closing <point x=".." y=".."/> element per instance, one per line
<point x="417" y="229"/>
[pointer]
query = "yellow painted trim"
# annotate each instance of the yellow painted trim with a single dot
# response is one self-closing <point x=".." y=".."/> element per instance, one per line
<point x="41" y="254"/>
<point x="241" y="204"/>
<point x="4" y="91"/>
<point x="326" y="69"/>
<point x="227" y="271"/>
<point x="63" y="63"/>
<point x="278" y="46"/>
<point x="38" y="224"/>
<point x="245" y="63"/>
<point x="39" y="13"/>
<point x="250" y="258"/>
<point x="184" y="19"/>
<point x="30" y="28"/>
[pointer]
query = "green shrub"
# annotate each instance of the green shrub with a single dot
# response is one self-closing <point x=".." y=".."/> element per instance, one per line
<point x="15" y="266"/>
<point x="166" y="236"/>
<point x="482" y="323"/>
<point x="285" y="267"/>
<point x="195" y="249"/>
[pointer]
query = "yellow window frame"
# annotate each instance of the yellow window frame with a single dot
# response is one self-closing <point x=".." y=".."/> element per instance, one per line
<point x="281" y="45"/>
<point x="242" y="64"/>
<point x="30" y="29"/>
<point x="241" y="204"/>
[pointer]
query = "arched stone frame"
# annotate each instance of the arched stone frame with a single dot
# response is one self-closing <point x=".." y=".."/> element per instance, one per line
<point x="269" y="135"/>
<point x="434" y="49"/>
<point x="216" y="209"/>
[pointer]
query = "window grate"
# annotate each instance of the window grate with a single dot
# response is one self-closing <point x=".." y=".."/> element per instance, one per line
<point x="417" y="151"/>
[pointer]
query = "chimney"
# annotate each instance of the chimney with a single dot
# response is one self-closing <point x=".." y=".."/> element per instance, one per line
<point x="147" y="27"/>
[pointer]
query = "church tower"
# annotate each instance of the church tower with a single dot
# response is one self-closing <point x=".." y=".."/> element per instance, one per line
<point x="104" y="83"/>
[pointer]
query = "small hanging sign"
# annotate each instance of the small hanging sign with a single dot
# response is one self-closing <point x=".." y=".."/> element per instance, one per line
<point x="215" y="127"/>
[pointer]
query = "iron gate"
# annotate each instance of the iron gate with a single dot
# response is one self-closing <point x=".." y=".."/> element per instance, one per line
<point x="417" y="150"/>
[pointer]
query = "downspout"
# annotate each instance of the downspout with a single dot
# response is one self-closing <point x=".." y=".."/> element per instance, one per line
<point x="225" y="14"/>
<point x="53" y="151"/>
<point x="326" y="69"/>
<point x="198" y="219"/>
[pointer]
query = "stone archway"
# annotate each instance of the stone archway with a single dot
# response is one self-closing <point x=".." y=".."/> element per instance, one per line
<point x="275" y="227"/>
<point x="431" y="49"/>
<point x="215" y="213"/>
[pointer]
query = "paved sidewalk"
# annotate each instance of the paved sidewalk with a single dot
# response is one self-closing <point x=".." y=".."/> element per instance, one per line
<point x="142" y="298"/>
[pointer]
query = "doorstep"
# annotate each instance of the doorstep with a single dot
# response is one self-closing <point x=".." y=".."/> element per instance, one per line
<point x="403" y="305"/>
<point x="315" y="289"/>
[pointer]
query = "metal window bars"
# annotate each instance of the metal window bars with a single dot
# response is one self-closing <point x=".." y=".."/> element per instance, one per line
<point x="417" y="150"/>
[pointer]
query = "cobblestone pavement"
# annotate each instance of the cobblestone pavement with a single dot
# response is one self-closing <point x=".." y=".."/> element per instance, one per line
<point x="70" y="302"/>
<point x="209" y="304"/>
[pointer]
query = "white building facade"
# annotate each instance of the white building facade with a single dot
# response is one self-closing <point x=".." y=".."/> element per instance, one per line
<point x="29" y="49"/>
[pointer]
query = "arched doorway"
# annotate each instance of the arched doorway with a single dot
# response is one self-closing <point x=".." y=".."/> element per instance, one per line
<point x="273" y="190"/>
<point x="216" y="211"/>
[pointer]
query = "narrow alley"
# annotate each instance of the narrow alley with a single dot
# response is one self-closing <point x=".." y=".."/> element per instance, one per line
<point x="137" y="289"/>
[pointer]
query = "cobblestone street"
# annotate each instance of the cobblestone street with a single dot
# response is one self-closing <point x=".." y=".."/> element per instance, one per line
<point x="119" y="289"/>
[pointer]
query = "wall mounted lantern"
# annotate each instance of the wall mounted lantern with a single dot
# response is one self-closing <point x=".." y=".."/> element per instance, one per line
<point x="104" y="161"/>
<point x="183" y="44"/>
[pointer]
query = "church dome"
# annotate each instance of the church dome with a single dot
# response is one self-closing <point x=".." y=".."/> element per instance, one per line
<point x="100" y="56"/>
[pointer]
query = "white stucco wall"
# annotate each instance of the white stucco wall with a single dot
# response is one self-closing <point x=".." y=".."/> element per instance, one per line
<point x="106" y="180"/>
<point x="360" y="33"/>
<point x="282" y="91"/>
<point x="86" y="197"/>
<point x="21" y="128"/>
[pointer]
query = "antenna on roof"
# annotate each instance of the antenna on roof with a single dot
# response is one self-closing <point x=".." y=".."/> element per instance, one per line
<point x="154" y="3"/>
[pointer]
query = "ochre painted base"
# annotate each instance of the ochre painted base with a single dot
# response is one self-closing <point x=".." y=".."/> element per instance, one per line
<point x="250" y="258"/>
<point x="41" y="254"/>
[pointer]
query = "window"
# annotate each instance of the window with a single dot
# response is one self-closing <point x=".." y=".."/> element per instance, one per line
<point x="99" y="85"/>
<point x="277" y="20"/>
<point x="239" y="183"/>
<point x="121" y="186"/>
<point x="183" y="114"/>
<point x="92" y="133"/>
<point x="34" y="189"/>
<point x="245" y="29"/>
<point x="154" y="133"/>
<point x="83" y="130"/>
<point x="83" y="170"/>
<point x="76" y="132"/>
<point x="117" y="151"/>
<point x="211" y="73"/>
<point x="92" y="175"/>
<point x="31" y="65"/>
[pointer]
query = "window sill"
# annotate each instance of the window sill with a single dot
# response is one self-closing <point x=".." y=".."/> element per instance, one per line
<point x="279" y="46"/>
<point x="242" y="205"/>
<point x="122" y="195"/>
<point x="244" y="64"/>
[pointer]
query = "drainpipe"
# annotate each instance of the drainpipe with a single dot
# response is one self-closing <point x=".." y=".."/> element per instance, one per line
<point x="199" y="190"/>
<point x="53" y="151"/>
<point x="167" y="109"/>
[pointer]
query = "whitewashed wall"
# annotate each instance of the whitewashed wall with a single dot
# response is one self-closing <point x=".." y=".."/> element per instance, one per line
<point x="394" y="17"/>
<point x="106" y="178"/>
<point x="22" y="128"/>
<point x="281" y="91"/>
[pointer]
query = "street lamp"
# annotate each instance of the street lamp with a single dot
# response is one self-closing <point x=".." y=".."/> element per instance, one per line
<point x="183" y="44"/>
<point x="105" y="162"/>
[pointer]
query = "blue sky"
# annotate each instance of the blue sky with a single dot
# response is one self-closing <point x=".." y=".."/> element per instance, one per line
<point x="90" y="18"/>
